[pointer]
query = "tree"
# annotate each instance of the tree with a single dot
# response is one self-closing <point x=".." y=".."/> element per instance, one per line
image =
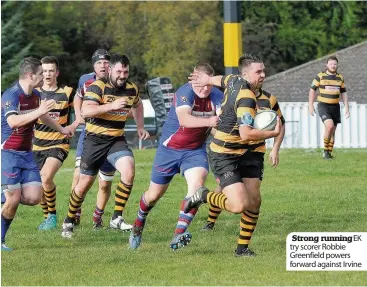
<point x="59" y="29"/>
<point x="180" y="35"/>
<point x="288" y="34"/>
<point x="170" y="38"/>
<point x="14" y="44"/>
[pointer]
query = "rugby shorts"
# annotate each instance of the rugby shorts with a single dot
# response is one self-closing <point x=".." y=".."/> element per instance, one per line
<point x="18" y="168"/>
<point x="229" y="169"/>
<point x="329" y="112"/>
<point x="40" y="156"/>
<point x="169" y="162"/>
<point x="98" y="148"/>
<point x="106" y="168"/>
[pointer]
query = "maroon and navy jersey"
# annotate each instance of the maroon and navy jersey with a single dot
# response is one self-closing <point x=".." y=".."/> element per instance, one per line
<point x="177" y="137"/>
<point x="84" y="83"/>
<point x="15" y="101"/>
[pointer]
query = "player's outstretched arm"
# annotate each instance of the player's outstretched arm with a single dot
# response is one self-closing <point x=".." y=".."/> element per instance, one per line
<point x="17" y="121"/>
<point x="48" y="121"/>
<point x="187" y="120"/>
<point x="199" y="79"/>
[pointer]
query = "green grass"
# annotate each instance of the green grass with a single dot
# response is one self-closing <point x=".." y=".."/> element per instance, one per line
<point x="305" y="193"/>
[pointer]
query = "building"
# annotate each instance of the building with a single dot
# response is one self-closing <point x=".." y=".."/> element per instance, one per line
<point x="294" y="84"/>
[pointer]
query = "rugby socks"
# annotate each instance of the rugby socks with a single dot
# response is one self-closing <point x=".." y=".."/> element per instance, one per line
<point x="326" y="144"/>
<point x="50" y="197"/>
<point x="184" y="219"/>
<point x="213" y="213"/>
<point x="75" y="202"/>
<point x="44" y="207"/>
<point x="121" y="197"/>
<point x="248" y="225"/>
<point x="331" y="145"/>
<point x="78" y="213"/>
<point x="143" y="212"/>
<point x="97" y="215"/>
<point x="5" y="224"/>
<point x="217" y="199"/>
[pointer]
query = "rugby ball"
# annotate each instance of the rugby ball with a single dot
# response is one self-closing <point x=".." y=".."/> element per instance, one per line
<point x="265" y="120"/>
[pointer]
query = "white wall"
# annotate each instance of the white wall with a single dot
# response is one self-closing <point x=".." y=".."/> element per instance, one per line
<point x="305" y="131"/>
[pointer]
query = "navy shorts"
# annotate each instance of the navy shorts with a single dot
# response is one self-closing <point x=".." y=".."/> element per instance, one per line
<point x="168" y="162"/>
<point x="18" y="167"/>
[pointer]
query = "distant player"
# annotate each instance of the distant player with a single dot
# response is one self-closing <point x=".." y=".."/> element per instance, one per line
<point x="50" y="147"/>
<point x="100" y="62"/>
<point x="254" y="176"/>
<point x="237" y="169"/>
<point x="106" y="106"/>
<point x="331" y="87"/>
<point x="20" y="109"/>
<point x="182" y="149"/>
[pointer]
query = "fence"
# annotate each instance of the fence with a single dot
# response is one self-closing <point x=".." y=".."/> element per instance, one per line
<point x="305" y="131"/>
<point x="302" y="130"/>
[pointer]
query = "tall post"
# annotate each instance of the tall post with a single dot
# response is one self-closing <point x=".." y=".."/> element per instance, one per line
<point x="232" y="35"/>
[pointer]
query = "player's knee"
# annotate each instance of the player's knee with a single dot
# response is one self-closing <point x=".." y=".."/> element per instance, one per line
<point x="31" y="198"/>
<point x="105" y="188"/>
<point x="48" y="183"/>
<point x="255" y="203"/>
<point x="80" y="190"/>
<point x="31" y="201"/>
<point x="329" y="128"/>
<point x="13" y="201"/>
<point x="47" y="179"/>
<point x="13" y="194"/>
<point x="238" y="207"/>
<point x="128" y="177"/>
<point x="152" y="195"/>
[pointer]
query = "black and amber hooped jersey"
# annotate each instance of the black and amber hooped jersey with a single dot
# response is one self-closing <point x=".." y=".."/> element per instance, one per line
<point x="112" y="123"/>
<point x="265" y="101"/>
<point x="238" y="107"/>
<point x="46" y="137"/>
<point x="330" y="87"/>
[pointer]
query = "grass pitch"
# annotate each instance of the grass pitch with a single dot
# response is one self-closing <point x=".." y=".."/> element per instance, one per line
<point x="305" y="193"/>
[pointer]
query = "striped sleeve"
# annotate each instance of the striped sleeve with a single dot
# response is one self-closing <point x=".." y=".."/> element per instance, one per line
<point x="343" y="89"/>
<point x="245" y="108"/>
<point x="69" y="94"/>
<point x="137" y="98"/>
<point x="94" y="92"/>
<point x="275" y="107"/>
<point x="225" y="80"/>
<point x="316" y="82"/>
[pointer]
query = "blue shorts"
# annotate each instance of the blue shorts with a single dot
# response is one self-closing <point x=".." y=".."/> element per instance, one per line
<point x="168" y="162"/>
<point x="18" y="167"/>
<point x="106" y="166"/>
